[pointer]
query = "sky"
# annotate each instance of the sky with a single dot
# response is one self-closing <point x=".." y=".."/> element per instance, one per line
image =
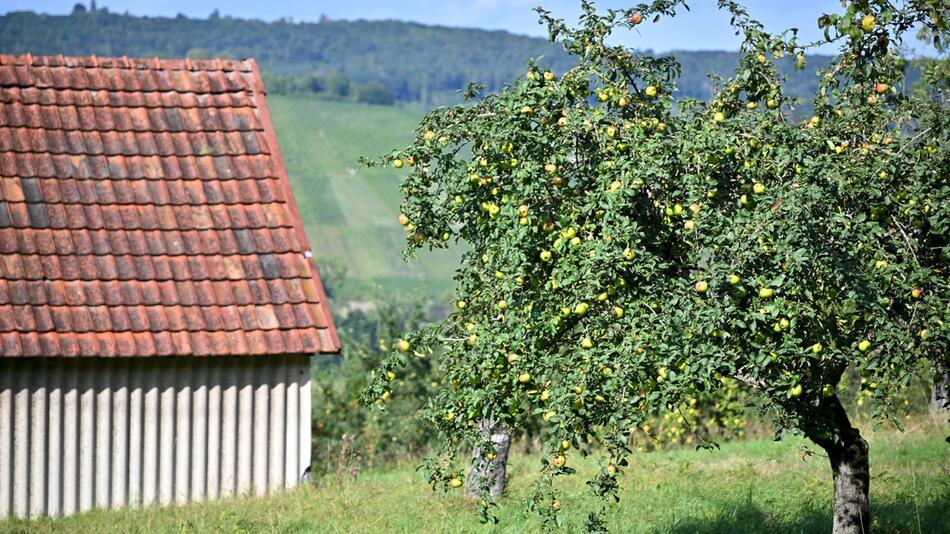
<point x="704" y="28"/>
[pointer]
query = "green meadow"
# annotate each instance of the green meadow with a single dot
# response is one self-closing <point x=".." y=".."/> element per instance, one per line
<point x="744" y="487"/>
<point x="351" y="212"/>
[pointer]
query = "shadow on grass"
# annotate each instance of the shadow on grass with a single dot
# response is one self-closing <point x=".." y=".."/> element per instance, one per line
<point x="931" y="518"/>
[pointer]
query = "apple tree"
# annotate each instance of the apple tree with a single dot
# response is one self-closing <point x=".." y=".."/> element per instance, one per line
<point x="626" y="251"/>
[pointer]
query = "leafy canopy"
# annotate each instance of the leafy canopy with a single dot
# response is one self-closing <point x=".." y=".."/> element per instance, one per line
<point x="626" y="250"/>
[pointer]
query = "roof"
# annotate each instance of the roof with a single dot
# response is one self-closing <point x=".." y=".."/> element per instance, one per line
<point x="145" y="210"/>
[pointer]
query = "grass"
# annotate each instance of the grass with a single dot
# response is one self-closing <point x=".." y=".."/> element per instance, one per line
<point x="752" y="486"/>
<point x="350" y="213"/>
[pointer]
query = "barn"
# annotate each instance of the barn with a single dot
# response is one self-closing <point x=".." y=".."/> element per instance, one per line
<point x="159" y="303"/>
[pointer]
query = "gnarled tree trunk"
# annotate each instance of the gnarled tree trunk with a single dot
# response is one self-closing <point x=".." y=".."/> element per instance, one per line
<point x="940" y="394"/>
<point x="485" y="472"/>
<point x="850" y="468"/>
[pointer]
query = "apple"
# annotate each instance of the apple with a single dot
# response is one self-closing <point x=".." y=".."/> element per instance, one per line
<point x="545" y="395"/>
<point x="917" y="292"/>
<point x="758" y="188"/>
<point x="800" y="61"/>
<point x="523" y="221"/>
<point x="651" y="91"/>
<point x="719" y="116"/>
<point x="546" y="255"/>
<point x="523" y="210"/>
<point x="398" y="163"/>
<point x="795" y="391"/>
<point x="766" y="292"/>
<point x="689" y="225"/>
<point x="611" y="131"/>
<point x="403" y="219"/>
<point x="557" y="181"/>
<point x="694" y="207"/>
<point x="550" y="168"/>
<point x="556" y="503"/>
<point x="744" y="200"/>
<point x="455" y="483"/>
<point x="524" y="378"/>
<point x="602" y="297"/>
<point x="512" y="357"/>
<point x="384" y="396"/>
<point x="734" y="279"/>
<point x="636" y="18"/>
<point x="615" y="185"/>
<point x="761" y="58"/>
<point x="623" y="102"/>
<point x="868" y="23"/>
<point x="565" y="445"/>
<point x="461" y="304"/>
<point x="611" y="470"/>
<point x="752" y="105"/>
<point x="570" y="233"/>
<point x="617" y="312"/>
<point x="924" y="333"/>
<point x="548" y="415"/>
<point x="526" y="110"/>
<point x="575" y="241"/>
<point x="771" y="103"/>
<point x="549" y="76"/>
<point x="559" y="461"/>
<point x="548" y="226"/>
<point x="629" y="254"/>
<point x="586" y="343"/>
<point x="881" y="264"/>
<point x="581" y="308"/>
<point x="864" y="345"/>
<point x="603" y="96"/>
<point x="881" y="88"/>
<point x="701" y="287"/>
<point x="390" y="376"/>
<point x="402" y="345"/>
<point x="428" y="135"/>
<point x="827" y="390"/>
<point x="502" y="304"/>
<point x="817" y="348"/>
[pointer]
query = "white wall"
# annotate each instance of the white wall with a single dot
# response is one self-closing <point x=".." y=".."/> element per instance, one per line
<point x="82" y="433"/>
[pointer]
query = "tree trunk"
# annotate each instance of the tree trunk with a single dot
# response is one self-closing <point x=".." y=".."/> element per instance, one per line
<point x="485" y="473"/>
<point x="940" y="395"/>
<point x="850" y="468"/>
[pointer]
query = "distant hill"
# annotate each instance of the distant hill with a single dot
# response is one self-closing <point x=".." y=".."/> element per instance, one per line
<point x="370" y="61"/>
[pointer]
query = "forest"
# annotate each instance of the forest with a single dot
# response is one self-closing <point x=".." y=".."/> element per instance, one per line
<point x="377" y="62"/>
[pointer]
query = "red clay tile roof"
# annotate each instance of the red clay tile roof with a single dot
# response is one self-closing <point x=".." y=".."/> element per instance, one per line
<point x="145" y="211"/>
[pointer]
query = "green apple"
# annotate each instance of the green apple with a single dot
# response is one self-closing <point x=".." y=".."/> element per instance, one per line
<point x="524" y="378"/>
<point x="398" y="163"/>
<point x="546" y="255"/>
<point x="795" y="391"/>
<point x="817" y="348"/>
<point x="734" y="279"/>
<point x="864" y="345"/>
<point x="701" y="287"/>
<point x="766" y="292"/>
<point x="581" y="308"/>
<point x="586" y="343"/>
<point x="402" y="345"/>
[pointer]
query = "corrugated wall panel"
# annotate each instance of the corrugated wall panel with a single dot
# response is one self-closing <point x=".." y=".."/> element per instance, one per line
<point x="108" y="433"/>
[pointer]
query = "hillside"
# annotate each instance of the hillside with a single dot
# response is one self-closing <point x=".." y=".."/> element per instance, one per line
<point x="339" y="59"/>
<point x="351" y="213"/>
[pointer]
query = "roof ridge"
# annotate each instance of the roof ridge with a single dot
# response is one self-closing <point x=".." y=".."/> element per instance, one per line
<point x="93" y="61"/>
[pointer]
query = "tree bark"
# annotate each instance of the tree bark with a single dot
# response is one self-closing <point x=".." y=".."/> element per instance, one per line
<point x="485" y="473"/>
<point x="848" y="454"/>
<point x="940" y="394"/>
